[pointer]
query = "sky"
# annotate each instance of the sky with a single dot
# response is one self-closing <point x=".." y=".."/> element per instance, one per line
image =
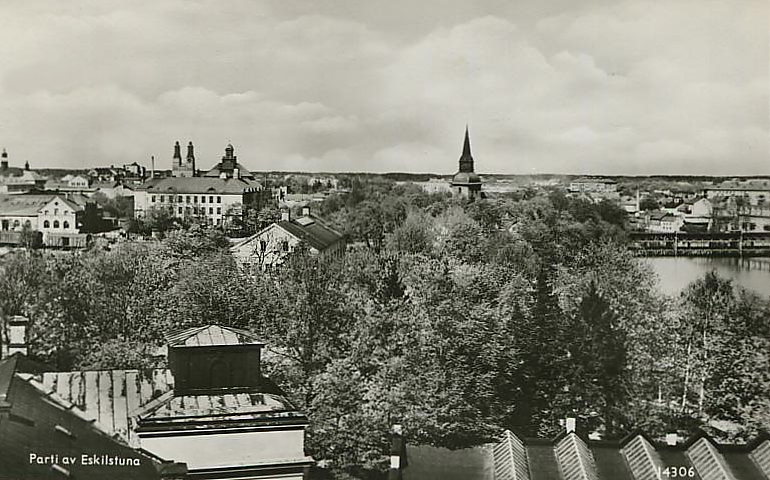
<point x="636" y="87"/>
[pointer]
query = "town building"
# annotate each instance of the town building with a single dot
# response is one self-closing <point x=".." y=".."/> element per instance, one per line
<point x="17" y="180"/>
<point x="58" y="217"/>
<point x="593" y="185"/>
<point x="271" y="246"/>
<point x="211" y="415"/>
<point x="466" y="183"/>
<point x="215" y="198"/>
<point x="573" y="455"/>
<point x="752" y="192"/>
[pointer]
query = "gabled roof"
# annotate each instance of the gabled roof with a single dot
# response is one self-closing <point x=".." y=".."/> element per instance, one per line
<point x="211" y="335"/>
<point x="313" y="231"/>
<point x="213" y="185"/>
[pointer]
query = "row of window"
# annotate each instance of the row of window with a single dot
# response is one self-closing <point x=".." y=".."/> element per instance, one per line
<point x="263" y="245"/>
<point x="47" y="224"/>
<point x="201" y="210"/>
<point x="186" y="199"/>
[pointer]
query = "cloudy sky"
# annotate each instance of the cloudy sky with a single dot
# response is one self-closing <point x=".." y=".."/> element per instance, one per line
<point x="590" y="86"/>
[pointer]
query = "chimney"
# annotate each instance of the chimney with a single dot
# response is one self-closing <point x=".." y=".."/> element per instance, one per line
<point x="15" y="336"/>
<point x="4" y="162"/>
<point x="305" y="211"/>
<point x="569" y="424"/>
<point x="152" y="162"/>
<point x="671" y="439"/>
<point x="286" y="215"/>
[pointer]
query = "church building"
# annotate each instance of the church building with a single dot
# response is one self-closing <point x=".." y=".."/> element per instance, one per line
<point x="466" y="183"/>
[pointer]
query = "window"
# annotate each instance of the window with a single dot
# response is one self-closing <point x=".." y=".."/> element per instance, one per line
<point x="219" y="210"/>
<point x="262" y="245"/>
<point x="55" y="211"/>
<point x="285" y="245"/>
<point x="203" y="198"/>
<point x="162" y="199"/>
<point x="211" y="199"/>
<point x="179" y="199"/>
<point x="219" y="199"/>
<point x="16" y="223"/>
<point x="46" y="224"/>
<point x="211" y="210"/>
<point x="46" y="212"/>
<point x="180" y="210"/>
<point x="195" y="198"/>
<point x="55" y="224"/>
<point x="27" y="223"/>
<point x="187" y="199"/>
<point x="66" y="224"/>
<point x="153" y="199"/>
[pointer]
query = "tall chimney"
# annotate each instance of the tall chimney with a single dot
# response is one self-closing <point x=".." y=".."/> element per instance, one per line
<point x="152" y="163"/>
<point x="16" y="340"/>
<point x="570" y="424"/>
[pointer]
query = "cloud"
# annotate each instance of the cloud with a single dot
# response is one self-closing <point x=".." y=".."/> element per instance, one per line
<point x="603" y="87"/>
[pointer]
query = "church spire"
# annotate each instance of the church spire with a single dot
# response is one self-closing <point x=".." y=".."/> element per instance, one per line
<point x="466" y="160"/>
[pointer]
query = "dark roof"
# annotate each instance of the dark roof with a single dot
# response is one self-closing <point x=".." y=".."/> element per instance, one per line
<point x="40" y="422"/>
<point x="311" y="230"/>
<point x="217" y="169"/>
<point x="210" y="335"/>
<point x="199" y="185"/>
<point x="571" y="456"/>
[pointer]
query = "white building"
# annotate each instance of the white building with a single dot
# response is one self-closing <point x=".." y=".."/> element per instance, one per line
<point x="270" y="247"/>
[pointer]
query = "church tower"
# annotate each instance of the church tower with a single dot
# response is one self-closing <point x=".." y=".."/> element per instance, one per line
<point x="186" y="167"/>
<point x="466" y="183"/>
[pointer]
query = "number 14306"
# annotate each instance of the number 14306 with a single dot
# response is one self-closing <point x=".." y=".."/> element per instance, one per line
<point x="676" y="472"/>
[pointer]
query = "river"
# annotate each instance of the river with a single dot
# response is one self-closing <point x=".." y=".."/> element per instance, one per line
<point x="675" y="273"/>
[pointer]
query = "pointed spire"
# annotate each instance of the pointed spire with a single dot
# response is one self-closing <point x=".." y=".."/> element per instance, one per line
<point x="467" y="145"/>
<point x="466" y="159"/>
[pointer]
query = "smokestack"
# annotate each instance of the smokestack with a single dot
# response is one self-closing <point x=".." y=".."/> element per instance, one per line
<point x="15" y="336"/>
<point x="569" y="424"/>
<point x="152" y="163"/>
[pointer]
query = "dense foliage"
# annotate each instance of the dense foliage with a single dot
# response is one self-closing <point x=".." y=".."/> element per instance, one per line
<point x="456" y="319"/>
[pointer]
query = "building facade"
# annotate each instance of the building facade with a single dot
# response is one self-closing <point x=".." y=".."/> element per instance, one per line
<point x="214" y="198"/>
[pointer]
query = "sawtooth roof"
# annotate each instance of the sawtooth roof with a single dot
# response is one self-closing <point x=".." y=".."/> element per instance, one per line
<point x="571" y="456"/>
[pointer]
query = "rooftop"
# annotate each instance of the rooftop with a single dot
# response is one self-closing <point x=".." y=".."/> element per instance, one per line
<point x="211" y="335"/>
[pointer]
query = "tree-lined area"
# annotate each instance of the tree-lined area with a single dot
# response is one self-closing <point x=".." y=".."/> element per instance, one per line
<point x="456" y="319"/>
